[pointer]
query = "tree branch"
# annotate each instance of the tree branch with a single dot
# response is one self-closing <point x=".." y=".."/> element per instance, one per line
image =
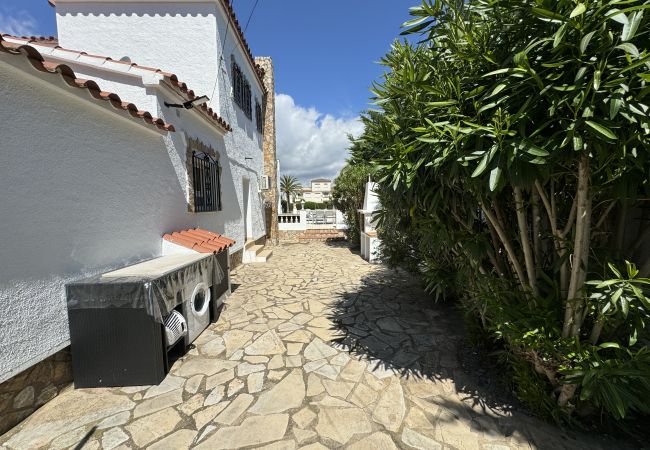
<point x="525" y="240"/>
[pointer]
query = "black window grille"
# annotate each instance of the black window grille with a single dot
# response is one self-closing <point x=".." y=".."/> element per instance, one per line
<point x="259" y="117"/>
<point x="207" y="182"/>
<point x="241" y="90"/>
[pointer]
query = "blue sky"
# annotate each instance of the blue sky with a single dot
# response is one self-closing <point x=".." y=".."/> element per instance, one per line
<point x="325" y="55"/>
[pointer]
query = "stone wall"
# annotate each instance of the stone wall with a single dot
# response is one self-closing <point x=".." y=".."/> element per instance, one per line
<point x="24" y="393"/>
<point x="311" y="235"/>
<point x="269" y="147"/>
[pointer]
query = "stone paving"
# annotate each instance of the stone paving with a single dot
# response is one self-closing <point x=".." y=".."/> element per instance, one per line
<point x="315" y="349"/>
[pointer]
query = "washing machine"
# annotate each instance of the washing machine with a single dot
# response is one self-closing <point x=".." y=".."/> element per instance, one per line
<point x="196" y="309"/>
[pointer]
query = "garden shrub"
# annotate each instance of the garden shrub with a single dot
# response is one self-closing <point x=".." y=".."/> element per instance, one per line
<point x="511" y="149"/>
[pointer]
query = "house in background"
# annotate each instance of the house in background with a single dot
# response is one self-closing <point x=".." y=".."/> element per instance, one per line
<point x="320" y="191"/>
<point x="98" y="162"/>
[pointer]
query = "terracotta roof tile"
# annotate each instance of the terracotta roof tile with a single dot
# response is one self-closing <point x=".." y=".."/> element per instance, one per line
<point x="170" y="79"/>
<point x="200" y="240"/>
<point x="70" y="78"/>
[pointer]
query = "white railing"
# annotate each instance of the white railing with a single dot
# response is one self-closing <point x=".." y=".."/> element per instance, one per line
<point x="307" y="219"/>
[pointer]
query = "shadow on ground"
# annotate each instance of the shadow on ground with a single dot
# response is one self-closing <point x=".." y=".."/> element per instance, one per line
<point x="391" y="323"/>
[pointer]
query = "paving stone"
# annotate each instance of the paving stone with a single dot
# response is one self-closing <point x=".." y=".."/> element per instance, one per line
<point x="391" y="407"/>
<point x="215" y="396"/>
<point x="313" y="365"/>
<point x="178" y="440"/>
<point x="152" y="427"/>
<point x="314" y="446"/>
<point x="328" y="371"/>
<point x="302" y="318"/>
<point x="207" y="415"/>
<point x="114" y="421"/>
<point x="255" y="382"/>
<point x="267" y="344"/>
<point x="237" y="355"/>
<point x="170" y="383"/>
<point x="299" y="336"/>
<point x="288" y="327"/>
<point x="417" y="419"/>
<point x="213" y="348"/>
<point x="113" y="437"/>
<point x="157" y="403"/>
<point x="246" y="369"/>
<point x="235" y="340"/>
<point x="338" y="388"/>
<point x="276" y="375"/>
<point x="303" y="436"/>
<point x="236" y="408"/>
<point x="206" y="431"/>
<point x="376" y="441"/>
<point x="65" y="413"/>
<point x="304" y="417"/>
<point x="341" y="424"/>
<point x="276" y="362"/>
<point x="293" y="361"/>
<point x="418" y="441"/>
<point x="192" y="385"/>
<point x="235" y="386"/>
<point x="314" y="385"/>
<point x="192" y="404"/>
<point x="202" y="366"/>
<point x="340" y="360"/>
<point x="287" y="394"/>
<point x="253" y="431"/>
<point x="220" y="378"/>
<point x="294" y="348"/>
<point x="288" y="444"/>
<point x="363" y="396"/>
<point x="317" y="349"/>
<point x="257" y="359"/>
<point x="332" y="402"/>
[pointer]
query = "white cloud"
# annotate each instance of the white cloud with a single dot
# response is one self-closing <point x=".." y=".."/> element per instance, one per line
<point x="311" y="144"/>
<point x="19" y="23"/>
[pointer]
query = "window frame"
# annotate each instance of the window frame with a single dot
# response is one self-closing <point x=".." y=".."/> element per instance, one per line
<point x="201" y="187"/>
<point x="241" y="87"/>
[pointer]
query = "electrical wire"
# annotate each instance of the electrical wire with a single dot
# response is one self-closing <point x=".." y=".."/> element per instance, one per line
<point x="251" y="15"/>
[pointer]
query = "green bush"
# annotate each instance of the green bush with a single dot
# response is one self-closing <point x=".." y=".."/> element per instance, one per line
<point x="512" y="151"/>
<point x="348" y="194"/>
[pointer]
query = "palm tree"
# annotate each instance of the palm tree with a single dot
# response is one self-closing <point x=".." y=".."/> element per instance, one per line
<point x="289" y="186"/>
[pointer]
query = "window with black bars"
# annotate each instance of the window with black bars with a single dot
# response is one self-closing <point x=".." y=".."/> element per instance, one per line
<point x="259" y="117"/>
<point x="241" y="90"/>
<point x="207" y="182"/>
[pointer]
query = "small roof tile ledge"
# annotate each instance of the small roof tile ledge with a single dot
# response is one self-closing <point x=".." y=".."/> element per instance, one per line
<point x="199" y="240"/>
<point x="69" y="77"/>
<point x="103" y="62"/>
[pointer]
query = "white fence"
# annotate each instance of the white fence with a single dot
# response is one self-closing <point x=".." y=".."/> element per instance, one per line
<point x="308" y="219"/>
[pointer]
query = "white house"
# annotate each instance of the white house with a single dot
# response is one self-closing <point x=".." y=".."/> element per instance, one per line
<point x="97" y="164"/>
<point x="320" y="191"/>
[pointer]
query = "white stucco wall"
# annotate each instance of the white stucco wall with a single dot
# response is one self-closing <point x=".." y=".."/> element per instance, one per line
<point x="83" y="190"/>
<point x="185" y="38"/>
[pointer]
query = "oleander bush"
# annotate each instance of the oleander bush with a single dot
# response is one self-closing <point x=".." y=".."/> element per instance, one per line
<point x="511" y="149"/>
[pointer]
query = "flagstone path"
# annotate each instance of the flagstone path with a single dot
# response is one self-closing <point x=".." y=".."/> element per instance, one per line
<point x="315" y="349"/>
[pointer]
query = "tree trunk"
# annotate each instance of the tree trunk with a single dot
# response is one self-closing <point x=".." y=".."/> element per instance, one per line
<point x="580" y="250"/>
<point x="525" y="240"/>
<point x="510" y="251"/>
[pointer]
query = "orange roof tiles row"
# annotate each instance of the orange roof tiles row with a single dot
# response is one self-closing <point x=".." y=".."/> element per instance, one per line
<point x="170" y="78"/>
<point x="70" y="78"/>
<point x="200" y="240"/>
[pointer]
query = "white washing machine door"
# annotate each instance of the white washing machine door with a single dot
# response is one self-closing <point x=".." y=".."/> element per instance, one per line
<point x="200" y="300"/>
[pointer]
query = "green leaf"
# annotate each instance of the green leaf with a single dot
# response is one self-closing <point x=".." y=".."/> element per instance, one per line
<point x="559" y="35"/>
<point x="577" y="142"/>
<point x="601" y="129"/>
<point x="549" y="15"/>
<point x="584" y="42"/>
<point x="597" y="75"/>
<point x="614" y="270"/>
<point x="630" y="29"/>
<point x="617" y="16"/>
<point x="629" y="48"/>
<point x="578" y="10"/>
<point x="441" y="103"/>
<point x="495" y="175"/>
<point x="609" y="345"/>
